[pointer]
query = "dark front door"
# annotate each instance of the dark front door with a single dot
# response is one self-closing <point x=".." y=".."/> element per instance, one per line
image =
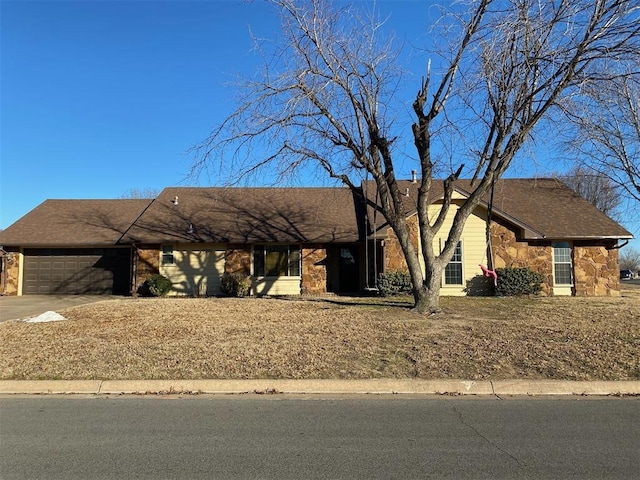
<point x="63" y="271"/>
<point x="349" y="269"/>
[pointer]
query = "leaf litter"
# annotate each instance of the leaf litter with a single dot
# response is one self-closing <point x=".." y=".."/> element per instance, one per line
<point x="330" y="337"/>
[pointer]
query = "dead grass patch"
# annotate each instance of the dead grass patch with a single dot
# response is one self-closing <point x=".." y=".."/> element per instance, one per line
<point x="333" y="337"/>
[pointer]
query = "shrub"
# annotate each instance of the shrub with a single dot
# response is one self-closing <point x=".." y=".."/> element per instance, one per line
<point x="395" y="282"/>
<point x="158" y="285"/>
<point x="235" y="284"/>
<point x="479" y="286"/>
<point x="518" y="281"/>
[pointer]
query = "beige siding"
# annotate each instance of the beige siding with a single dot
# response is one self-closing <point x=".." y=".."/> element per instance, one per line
<point x="197" y="269"/>
<point x="276" y="285"/>
<point x="473" y="245"/>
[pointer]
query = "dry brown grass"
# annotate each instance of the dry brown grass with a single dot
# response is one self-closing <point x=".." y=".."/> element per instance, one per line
<point x="334" y="337"/>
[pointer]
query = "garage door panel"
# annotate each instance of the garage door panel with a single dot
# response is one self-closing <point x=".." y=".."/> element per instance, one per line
<point x="76" y="271"/>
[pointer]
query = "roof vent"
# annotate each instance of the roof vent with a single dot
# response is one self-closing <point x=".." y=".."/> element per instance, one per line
<point x="406" y="192"/>
<point x="414" y="176"/>
<point x="191" y="230"/>
<point x="175" y="200"/>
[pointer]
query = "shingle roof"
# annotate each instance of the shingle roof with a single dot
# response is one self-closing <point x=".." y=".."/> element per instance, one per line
<point x="552" y="210"/>
<point x="542" y="208"/>
<point x="74" y="222"/>
<point x="249" y="215"/>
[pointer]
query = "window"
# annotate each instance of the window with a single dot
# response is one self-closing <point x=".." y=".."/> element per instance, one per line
<point x="453" y="270"/>
<point x="276" y="261"/>
<point x="167" y="255"/>
<point x="562" y="269"/>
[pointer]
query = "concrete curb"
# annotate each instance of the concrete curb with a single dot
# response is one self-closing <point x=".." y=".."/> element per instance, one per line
<point x="377" y="386"/>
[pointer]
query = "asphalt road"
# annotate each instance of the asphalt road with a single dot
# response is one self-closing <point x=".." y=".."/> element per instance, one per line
<point x="351" y="437"/>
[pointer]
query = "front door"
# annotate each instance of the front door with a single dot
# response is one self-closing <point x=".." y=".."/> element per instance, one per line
<point x="349" y="269"/>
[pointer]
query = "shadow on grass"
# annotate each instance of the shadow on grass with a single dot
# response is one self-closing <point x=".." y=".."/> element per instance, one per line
<point x="353" y="300"/>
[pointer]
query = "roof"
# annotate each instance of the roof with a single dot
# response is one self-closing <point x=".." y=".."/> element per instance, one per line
<point x="542" y="208"/>
<point x="74" y="223"/>
<point x="249" y="215"/>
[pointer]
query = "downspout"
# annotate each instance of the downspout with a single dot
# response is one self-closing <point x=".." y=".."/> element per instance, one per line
<point x="134" y="269"/>
<point x="4" y="266"/>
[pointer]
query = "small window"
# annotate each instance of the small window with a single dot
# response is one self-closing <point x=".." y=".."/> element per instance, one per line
<point x="562" y="268"/>
<point x="453" y="270"/>
<point x="276" y="261"/>
<point x="167" y="255"/>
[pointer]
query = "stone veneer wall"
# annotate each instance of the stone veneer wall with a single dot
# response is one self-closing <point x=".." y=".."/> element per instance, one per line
<point x="237" y="259"/>
<point x="393" y="255"/>
<point x="12" y="264"/>
<point x="147" y="260"/>
<point x="596" y="271"/>
<point x="314" y="269"/>
<point x="510" y="253"/>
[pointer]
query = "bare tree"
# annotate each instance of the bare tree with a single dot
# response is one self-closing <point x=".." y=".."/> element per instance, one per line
<point x="141" y="193"/>
<point x="327" y="96"/>
<point x="630" y="259"/>
<point x="595" y="187"/>
<point x="607" y="128"/>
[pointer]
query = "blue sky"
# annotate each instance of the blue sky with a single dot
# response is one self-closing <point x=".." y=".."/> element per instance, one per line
<point x="100" y="97"/>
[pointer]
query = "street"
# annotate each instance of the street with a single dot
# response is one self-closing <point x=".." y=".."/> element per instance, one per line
<point x="295" y="437"/>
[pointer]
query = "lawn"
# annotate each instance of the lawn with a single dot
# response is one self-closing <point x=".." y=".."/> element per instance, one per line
<point x="331" y="337"/>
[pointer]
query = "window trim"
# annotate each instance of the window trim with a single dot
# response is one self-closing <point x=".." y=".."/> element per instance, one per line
<point x="460" y="262"/>
<point x="569" y="246"/>
<point x="168" y="252"/>
<point x="262" y="248"/>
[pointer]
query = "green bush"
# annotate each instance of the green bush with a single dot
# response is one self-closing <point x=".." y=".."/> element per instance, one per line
<point x="394" y="282"/>
<point x="158" y="285"/>
<point x="518" y="281"/>
<point x="235" y="284"/>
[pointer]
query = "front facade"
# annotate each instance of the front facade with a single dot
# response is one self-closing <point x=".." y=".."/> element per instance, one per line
<point x="300" y="241"/>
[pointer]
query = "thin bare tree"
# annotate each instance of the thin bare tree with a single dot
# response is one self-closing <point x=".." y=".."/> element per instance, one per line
<point x="607" y="128"/>
<point x="595" y="187"/>
<point x="328" y="96"/>
<point x="630" y="260"/>
<point x="144" y="193"/>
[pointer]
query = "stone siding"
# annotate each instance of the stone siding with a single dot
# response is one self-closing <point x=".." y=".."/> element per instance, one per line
<point x="508" y="252"/>
<point x="237" y="259"/>
<point x="12" y="273"/>
<point x="314" y="270"/>
<point x="596" y="271"/>
<point x="393" y="255"/>
<point x="147" y="260"/>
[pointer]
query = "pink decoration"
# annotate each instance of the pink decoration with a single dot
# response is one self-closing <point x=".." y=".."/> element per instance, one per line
<point x="490" y="274"/>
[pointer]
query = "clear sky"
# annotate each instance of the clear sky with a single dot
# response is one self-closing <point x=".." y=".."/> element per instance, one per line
<point x="101" y="97"/>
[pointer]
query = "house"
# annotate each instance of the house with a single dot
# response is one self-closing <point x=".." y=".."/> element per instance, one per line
<point x="301" y="240"/>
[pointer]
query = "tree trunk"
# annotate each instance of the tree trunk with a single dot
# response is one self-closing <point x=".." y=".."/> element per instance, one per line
<point x="427" y="295"/>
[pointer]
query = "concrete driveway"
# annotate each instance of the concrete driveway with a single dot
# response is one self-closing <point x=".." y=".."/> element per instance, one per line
<point x="25" y="306"/>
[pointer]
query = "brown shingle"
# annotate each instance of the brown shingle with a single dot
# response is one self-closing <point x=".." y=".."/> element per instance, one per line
<point x="74" y="222"/>
<point x="249" y="215"/>
<point x="543" y="208"/>
<point x="551" y="209"/>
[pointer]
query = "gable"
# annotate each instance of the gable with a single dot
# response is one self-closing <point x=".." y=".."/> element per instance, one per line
<point x="538" y="208"/>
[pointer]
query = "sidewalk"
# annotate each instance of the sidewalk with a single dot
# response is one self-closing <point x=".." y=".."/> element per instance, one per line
<point x="266" y="386"/>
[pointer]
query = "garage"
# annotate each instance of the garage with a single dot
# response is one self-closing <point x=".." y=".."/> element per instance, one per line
<point x="76" y="271"/>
